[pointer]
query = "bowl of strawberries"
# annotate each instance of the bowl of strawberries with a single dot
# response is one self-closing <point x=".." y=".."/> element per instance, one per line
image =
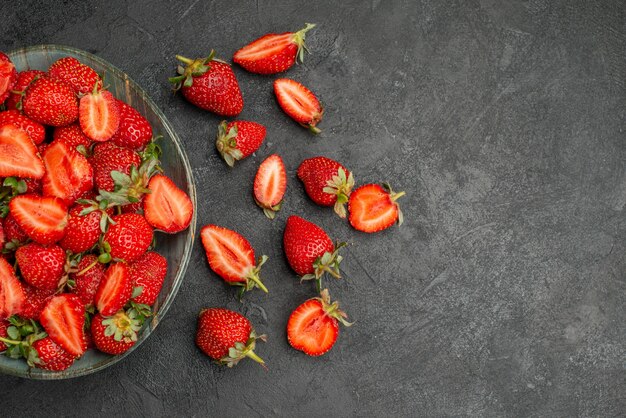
<point x="97" y="213"/>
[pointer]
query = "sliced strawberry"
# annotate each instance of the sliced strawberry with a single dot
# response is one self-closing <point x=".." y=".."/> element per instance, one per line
<point x="99" y="115"/>
<point x="41" y="267"/>
<point x="114" y="290"/>
<point x="18" y="154"/>
<point x="373" y="208"/>
<point x="270" y="184"/>
<point x="72" y="135"/>
<point x="8" y="76"/>
<point x="299" y="103"/>
<point x="43" y="219"/>
<point x="134" y="131"/>
<point x="167" y="207"/>
<point x="63" y="318"/>
<point x="11" y="291"/>
<point x="68" y="173"/>
<point x="35" y="131"/>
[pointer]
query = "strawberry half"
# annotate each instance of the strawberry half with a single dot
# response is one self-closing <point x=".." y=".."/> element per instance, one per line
<point x="50" y="102"/>
<point x="299" y="103"/>
<point x="231" y="257"/>
<point x="68" y="173"/>
<point x="238" y="139"/>
<point x="373" y="208"/>
<point x="148" y="273"/>
<point x="313" y="327"/>
<point x="12" y="295"/>
<point x="41" y="267"/>
<point x="24" y="79"/>
<point x="77" y="75"/>
<point x="273" y="53"/>
<point x="63" y="318"/>
<point x="134" y="131"/>
<point x="99" y="115"/>
<point x="43" y="219"/>
<point x="115" y="289"/>
<point x="8" y="76"/>
<point x="18" y="154"/>
<point x="167" y="208"/>
<point x="270" y="184"/>
<point x="35" y="131"/>
<point x="326" y="182"/>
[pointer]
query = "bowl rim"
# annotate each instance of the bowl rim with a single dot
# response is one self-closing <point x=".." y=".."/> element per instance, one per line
<point x="190" y="232"/>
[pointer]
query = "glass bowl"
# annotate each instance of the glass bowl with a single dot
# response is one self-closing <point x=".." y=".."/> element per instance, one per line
<point x="176" y="248"/>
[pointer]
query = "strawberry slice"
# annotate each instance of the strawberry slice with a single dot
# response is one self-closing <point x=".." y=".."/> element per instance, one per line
<point x="299" y="103"/>
<point x="63" y="318"/>
<point x="68" y="173"/>
<point x="8" y="77"/>
<point x="99" y="115"/>
<point x="18" y="154"/>
<point x="43" y="219"/>
<point x="167" y="207"/>
<point x="114" y="290"/>
<point x="11" y="291"/>
<point x="373" y="208"/>
<point x="270" y="184"/>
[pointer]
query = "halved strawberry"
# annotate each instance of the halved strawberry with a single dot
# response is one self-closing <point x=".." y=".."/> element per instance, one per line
<point x="35" y="131"/>
<point x="115" y="289"/>
<point x="373" y="208"/>
<point x="43" y="219"/>
<point x="231" y="256"/>
<point x="18" y="154"/>
<point x="79" y="76"/>
<point x="11" y="291"/>
<point x="68" y="173"/>
<point x="166" y="207"/>
<point x="134" y="131"/>
<point x="8" y="76"/>
<point x="63" y="318"/>
<point x="270" y="184"/>
<point x="299" y="103"/>
<point x="41" y="267"/>
<point x="99" y="115"/>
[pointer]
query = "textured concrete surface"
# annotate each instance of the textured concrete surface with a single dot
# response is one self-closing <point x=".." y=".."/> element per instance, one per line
<point x="504" y="292"/>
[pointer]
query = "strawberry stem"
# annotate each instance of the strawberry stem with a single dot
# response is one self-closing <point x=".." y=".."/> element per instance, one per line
<point x="251" y="354"/>
<point x="185" y="60"/>
<point x="258" y="282"/>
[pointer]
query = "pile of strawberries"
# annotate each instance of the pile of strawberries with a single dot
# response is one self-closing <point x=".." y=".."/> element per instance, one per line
<point x="82" y="194"/>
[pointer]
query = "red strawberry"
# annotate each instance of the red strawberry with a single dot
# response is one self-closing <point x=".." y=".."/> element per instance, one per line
<point x="3" y="239"/>
<point x="11" y="291"/>
<point x="34" y="302"/>
<point x="41" y="267"/>
<point x="226" y="336"/>
<point x="238" y="139"/>
<point x="24" y="78"/>
<point x="13" y="232"/>
<point x="33" y="185"/>
<point x="270" y="184"/>
<point x="35" y="131"/>
<point x="99" y="115"/>
<point x="8" y="77"/>
<point x="326" y="182"/>
<point x="313" y="327"/>
<point x="167" y="208"/>
<point x="68" y="173"/>
<point x="299" y="103"/>
<point x="135" y="207"/>
<point x="115" y="335"/>
<point x="18" y="154"/>
<point x="43" y="219"/>
<point x="89" y="274"/>
<point x="373" y="208"/>
<point x="128" y="237"/>
<point x="71" y="135"/>
<point x="114" y="290"/>
<point x="148" y="273"/>
<point x="77" y="75"/>
<point x="231" y="256"/>
<point x="83" y="230"/>
<point x="209" y="84"/>
<point x="50" y="102"/>
<point x="4" y="324"/>
<point x="109" y="157"/>
<point x="273" y="53"/>
<point x="63" y="318"/>
<point x="50" y="355"/>
<point x="309" y="250"/>
<point x="134" y="131"/>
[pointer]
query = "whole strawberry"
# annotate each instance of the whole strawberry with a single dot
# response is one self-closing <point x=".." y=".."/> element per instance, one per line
<point x="129" y="237"/>
<point x="8" y="76"/>
<point x="50" y="102"/>
<point x="134" y="131"/>
<point x="24" y="78"/>
<point x="13" y="234"/>
<point x="41" y="267"/>
<point x="35" y="131"/>
<point x="34" y="301"/>
<point x="109" y="157"/>
<point x="226" y="336"/>
<point x="238" y="139"/>
<point x="87" y="278"/>
<point x="72" y="136"/>
<point x="327" y="182"/>
<point x="83" y="229"/>
<point x="77" y="75"/>
<point x="4" y="324"/>
<point x="148" y="274"/>
<point x="117" y="334"/>
<point x="50" y="356"/>
<point x="209" y="84"/>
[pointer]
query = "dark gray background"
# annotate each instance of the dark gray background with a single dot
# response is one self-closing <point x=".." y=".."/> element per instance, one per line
<point x="503" y="294"/>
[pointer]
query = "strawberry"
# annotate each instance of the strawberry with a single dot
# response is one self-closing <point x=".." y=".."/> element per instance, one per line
<point x="8" y="77"/>
<point x="114" y="290"/>
<point x="128" y="237"/>
<point x="43" y="219"/>
<point x="83" y="229"/>
<point x="13" y="233"/>
<point x="148" y="273"/>
<point x="3" y="239"/>
<point x="226" y="336"/>
<point x="299" y="103"/>
<point x="327" y="182"/>
<point x="167" y="208"/>
<point x="136" y="207"/>
<point x="231" y="257"/>
<point x="373" y="208"/>
<point x="270" y="184"/>
<point x="35" y="131"/>
<point x="33" y="186"/>
<point x="4" y="324"/>
<point x="109" y="157"/>
<point x="313" y="327"/>
<point x="50" y="102"/>
<point x="11" y="291"/>
<point x="77" y="75"/>
<point x="41" y="267"/>
<point x="18" y="154"/>
<point x="134" y="131"/>
<point x="209" y="84"/>
<point x="87" y="278"/>
<point x="273" y="53"/>
<point x="68" y="173"/>
<point x="238" y="139"/>
<point x="34" y="302"/>
<point x="99" y="115"/>
<point x="72" y="136"/>
<point x="63" y="318"/>
<point x="50" y="355"/>
<point x="117" y="334"/>
<point x="24" y="79"/>
<point x="309" y="250"/>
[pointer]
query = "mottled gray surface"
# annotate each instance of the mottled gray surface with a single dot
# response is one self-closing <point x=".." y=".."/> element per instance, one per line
<point x="504" y="292"/>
